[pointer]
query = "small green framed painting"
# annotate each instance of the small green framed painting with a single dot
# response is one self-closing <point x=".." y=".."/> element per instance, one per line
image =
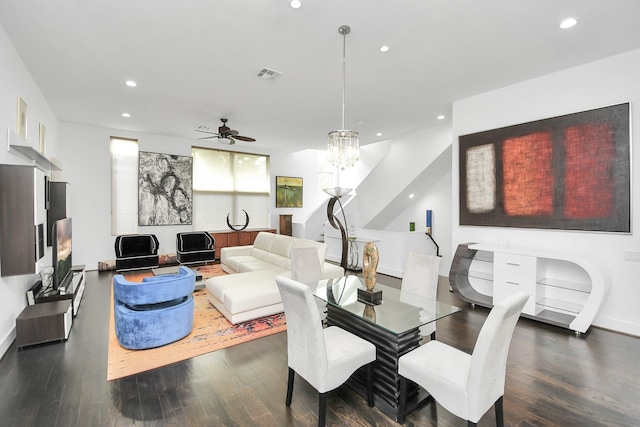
<point x="288" y="192"/>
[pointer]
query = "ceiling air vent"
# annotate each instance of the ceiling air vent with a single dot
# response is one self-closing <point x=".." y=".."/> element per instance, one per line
<point x="269" y="74"/>
<point x="203" y="128"/>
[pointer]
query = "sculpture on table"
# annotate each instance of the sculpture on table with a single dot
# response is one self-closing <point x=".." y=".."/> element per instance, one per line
<point x="239" y="227"/>
<point x="370" y="265"/>
<point x="369" y="313"/>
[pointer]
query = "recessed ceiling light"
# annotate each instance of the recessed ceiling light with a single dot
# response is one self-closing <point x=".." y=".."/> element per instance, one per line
<point x="568" y="23"/>
<point x="131" y="83"/>
<point x="441" y="117"/>
<point x="126" y="115"/>
<point x="295" y="4"/>
<point x="411" y="196"/>
<point x="379" y="134"/>
<point x="384" y="48"/>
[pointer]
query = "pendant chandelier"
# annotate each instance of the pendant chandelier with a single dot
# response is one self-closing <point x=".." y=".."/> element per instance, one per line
<point x="343" y="148"/>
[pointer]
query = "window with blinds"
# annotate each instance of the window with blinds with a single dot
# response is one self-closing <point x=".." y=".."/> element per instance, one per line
<point x="227" y="183"/>
<point x="124" y="186"/>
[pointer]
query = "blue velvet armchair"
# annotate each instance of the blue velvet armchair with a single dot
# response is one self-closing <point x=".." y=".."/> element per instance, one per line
<point x="154" y="312"/>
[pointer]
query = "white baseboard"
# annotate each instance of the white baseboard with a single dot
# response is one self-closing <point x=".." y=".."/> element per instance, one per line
<point x="7" y="341"/>
<point x="617" y="325"/>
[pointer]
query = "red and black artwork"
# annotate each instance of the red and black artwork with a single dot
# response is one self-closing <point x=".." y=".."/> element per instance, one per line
<point x="569" y="172"/>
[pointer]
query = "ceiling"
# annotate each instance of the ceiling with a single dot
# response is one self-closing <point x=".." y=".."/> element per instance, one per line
<point x="196" y="61"/>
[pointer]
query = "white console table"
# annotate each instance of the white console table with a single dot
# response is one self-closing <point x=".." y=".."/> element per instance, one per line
<point x="563" y="290"/>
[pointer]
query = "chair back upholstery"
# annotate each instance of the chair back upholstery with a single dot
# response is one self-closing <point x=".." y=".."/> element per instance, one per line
<point x="131" y="245"/>
<point x="420" y="277"/>
<point x="136" y="251"/>
<point x="421" y="274"/>
<point x="154" y="289"/>
<point x="305" y="266"/>
<point x="194" y="241"/>
<point x="489" y="359"/>
<point x="306" y="349"/>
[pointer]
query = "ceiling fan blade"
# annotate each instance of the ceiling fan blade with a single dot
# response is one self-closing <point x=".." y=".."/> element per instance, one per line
<point x="225" y="134"/>
<point x="244" y="138"/>
<point x="206" y="131"/>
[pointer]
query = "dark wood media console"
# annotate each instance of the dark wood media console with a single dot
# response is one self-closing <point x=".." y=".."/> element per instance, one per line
<point x="73" y="292"/>
<point x="45" y="322"/>
<point x="50" y="316"/>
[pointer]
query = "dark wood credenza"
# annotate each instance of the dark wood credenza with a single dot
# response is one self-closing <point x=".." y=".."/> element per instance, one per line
<point x="236" y="238"/>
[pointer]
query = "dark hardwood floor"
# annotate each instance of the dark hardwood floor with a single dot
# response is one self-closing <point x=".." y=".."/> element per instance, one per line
<point x="553" y="379"/>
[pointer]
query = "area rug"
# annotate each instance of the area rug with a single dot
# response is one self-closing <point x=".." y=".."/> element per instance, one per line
<point x="211" y="332"/>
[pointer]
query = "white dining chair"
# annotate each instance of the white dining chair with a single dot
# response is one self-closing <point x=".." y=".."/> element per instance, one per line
<point x="466" y="385"/>
<point x="420" y="277"/>
<point x="325" y="358"/>
<point x="305" y="268"/>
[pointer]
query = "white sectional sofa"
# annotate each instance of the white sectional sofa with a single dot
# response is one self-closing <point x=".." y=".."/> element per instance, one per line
<point x="250" y="290"/>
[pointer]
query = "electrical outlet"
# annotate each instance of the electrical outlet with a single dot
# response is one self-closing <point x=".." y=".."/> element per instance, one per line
<point x="630" y="255"/>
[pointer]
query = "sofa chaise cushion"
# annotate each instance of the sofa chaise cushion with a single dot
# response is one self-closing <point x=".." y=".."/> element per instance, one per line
<point x="250" y="291"/>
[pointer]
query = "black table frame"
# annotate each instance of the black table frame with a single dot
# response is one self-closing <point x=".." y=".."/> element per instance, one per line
<point x="389" y="348"/>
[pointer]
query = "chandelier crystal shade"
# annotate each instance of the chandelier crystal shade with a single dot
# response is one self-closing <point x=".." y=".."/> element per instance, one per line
<point x="343" y="147"/>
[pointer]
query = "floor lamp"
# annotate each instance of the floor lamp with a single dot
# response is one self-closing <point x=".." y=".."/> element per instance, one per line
<point x="336" y="193"/>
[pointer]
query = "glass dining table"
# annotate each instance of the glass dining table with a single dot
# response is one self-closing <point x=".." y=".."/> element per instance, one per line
<point x="393" y="326"/>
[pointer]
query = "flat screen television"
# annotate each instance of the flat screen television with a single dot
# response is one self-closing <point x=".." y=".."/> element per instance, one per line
<point x="61" y="232"/>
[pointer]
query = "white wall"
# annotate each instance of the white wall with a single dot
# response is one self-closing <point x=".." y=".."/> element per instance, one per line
<point x="438" y="199"/>
<point x="306" y="164"/>
<point x="15" y="81"/>
<point x="601" y="83"/>
<point x="385" y="191"/>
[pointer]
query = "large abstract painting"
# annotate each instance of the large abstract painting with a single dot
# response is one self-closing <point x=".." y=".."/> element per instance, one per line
<point x="570" y="172"/>
<point x="165" y="190"/>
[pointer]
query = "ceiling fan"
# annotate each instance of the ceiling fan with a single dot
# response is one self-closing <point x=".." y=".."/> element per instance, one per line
<point x="225" y="134"/>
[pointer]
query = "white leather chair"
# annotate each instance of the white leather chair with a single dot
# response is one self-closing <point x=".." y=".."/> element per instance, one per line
<point x="420" y="277"/>
<point x="305" y="268"/>
<point x="466" y="384"/>
<point x="325" y="358"/>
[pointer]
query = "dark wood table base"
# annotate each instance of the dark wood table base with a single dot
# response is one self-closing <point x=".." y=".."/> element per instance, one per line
<point x="389" y="348"/>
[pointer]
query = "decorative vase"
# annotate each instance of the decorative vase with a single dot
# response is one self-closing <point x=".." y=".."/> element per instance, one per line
<point x="370" y="265"/>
